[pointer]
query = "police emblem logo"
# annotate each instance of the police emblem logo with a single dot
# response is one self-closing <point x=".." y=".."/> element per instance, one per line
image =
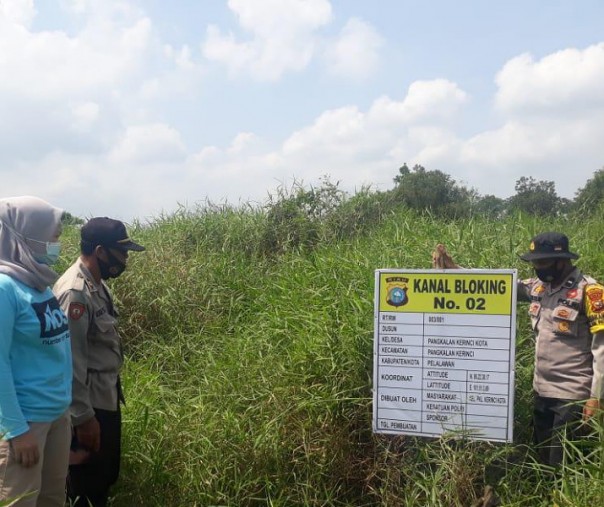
<point x="564" y="327"/>
<point x="562" y="313"/>
<point x="76" y="310"/>
<point x="396" y="291"/>
<point x="539" y="289"/>
<point x="572" y="294"/>
<point x="595" y="295"/>
<point x="532" y="246"/>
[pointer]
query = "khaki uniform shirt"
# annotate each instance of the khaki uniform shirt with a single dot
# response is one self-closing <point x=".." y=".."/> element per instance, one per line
<point x="95" y="342"/>
<point x="569" y="329"/>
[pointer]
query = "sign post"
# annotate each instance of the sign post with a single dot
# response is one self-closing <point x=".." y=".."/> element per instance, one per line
<point x="444" y="351"/>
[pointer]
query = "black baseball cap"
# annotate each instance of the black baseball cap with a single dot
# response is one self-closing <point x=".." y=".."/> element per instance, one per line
<point x="548" y="245"/>
<point x="108" y="232"/>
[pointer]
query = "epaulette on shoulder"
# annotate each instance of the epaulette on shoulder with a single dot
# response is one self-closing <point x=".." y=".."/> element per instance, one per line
<point x="591" y="281"/>
<point x="80" y="282"/>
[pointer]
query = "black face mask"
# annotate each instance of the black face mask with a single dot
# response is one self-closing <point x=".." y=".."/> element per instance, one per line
<point x="111" y="269"/>
<point x="549" y="274"/>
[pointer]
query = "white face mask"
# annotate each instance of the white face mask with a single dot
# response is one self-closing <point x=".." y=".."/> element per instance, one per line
<point x="53" y="250"/>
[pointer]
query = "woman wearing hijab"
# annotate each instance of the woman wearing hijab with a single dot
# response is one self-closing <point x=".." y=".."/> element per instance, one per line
<point x="35" y="357"/>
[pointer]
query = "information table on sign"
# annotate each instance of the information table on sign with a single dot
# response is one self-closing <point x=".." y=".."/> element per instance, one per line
<point x="444" y="349"/>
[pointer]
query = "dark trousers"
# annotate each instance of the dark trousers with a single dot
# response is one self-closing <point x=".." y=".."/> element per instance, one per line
<point x="553" y="420"/>
<point x="89" y="483"/>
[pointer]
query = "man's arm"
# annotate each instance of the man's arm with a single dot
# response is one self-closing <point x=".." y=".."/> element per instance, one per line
<point x="441" y="259"/>
<point x="523" y="289"/>
<point x="79" y="316"/>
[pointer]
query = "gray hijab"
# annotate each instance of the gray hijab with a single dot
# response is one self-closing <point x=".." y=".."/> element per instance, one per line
<point x="23" y="218"/>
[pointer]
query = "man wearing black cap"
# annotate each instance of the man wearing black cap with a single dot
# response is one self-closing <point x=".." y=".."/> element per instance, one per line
<point x="97" y="359"/>
<point x="567" y="316"/>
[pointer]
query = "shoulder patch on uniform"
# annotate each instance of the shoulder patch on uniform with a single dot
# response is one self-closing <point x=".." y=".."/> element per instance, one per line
<point x="76" y="310"/>
<point x="563" y="326"/>
<point x="595" y="297"/>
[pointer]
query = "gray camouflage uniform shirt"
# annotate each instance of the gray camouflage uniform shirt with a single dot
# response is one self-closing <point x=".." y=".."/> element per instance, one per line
<point x="95" y="342"/>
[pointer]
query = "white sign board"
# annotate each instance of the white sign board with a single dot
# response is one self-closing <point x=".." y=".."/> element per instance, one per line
<point x="444" y="350"/>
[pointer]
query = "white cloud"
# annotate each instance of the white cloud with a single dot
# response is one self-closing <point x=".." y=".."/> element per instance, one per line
<point x="182" y="57"/>
<point x="175" y="74"/>
<point x="569" y="81"/>
<point x="151" y="143"/>
<point x="332" y="129"/>
<point x="349" y="135"/>
<point x="20" y="12"/>
<point x="562" y="149"/>
<point x="350" y="145"/>
<point x="72" y="90"/>
<point x="437" y="100"/>
<point x="281" y="18"/>
<point x="552" y="115"/>
<point x="76" y="6"/>
<point x="54" y="65"/>
<point x="63" y="91"/>
<point x="282" y="37"/>
<point x="360" y="147"/>
<point x="514" y="143"/>
<point x="354" y="146"/>
<point x="85" y="115"/>
<point x="77" y="124"/>
<point x="355" y="52"/>
<point x="242" y="141"/>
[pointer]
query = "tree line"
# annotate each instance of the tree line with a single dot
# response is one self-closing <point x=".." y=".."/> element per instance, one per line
<point x="437" y="192"/>
<point x="302" y="217"/>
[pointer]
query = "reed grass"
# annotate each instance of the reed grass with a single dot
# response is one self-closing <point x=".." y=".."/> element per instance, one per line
<point x="248" y="371"/>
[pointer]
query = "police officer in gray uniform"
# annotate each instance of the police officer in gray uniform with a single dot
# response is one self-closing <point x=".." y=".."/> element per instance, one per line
<point x="567" y="316"/>
<point x="97" y="359"/>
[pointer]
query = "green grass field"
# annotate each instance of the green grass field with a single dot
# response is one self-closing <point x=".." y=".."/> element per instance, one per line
<point x="249" y="364"/>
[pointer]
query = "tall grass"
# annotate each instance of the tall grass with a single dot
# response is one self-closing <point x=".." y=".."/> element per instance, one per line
<point x="248" y="376"/>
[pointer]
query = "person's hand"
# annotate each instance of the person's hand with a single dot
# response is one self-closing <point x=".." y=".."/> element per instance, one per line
<point x="79" y="456"/>
<point x="590" y="408"/>
<point x="25" y="448"/>
<point x="441" y="259"/>
<point x="89" y="434"/>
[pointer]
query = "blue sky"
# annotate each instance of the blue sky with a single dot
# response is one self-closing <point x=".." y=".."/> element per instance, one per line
<point x="130" y="108"/>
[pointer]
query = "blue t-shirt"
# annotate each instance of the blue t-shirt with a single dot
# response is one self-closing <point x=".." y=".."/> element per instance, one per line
<point x="35" y="357"/>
